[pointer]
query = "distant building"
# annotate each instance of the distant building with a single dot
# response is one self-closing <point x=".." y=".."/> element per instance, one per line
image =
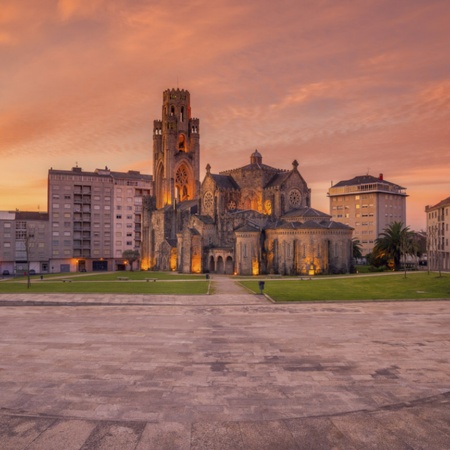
<point x="94" y="217"/>
<point x="24" y="238"/>
<point x="367" y="204"/>
<point x="438" y="249"/>
<point x="249" y="220"/>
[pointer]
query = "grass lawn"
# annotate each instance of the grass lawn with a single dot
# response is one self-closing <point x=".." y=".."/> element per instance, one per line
<point x="371" y="287"/>
<point x="107" y="283"/>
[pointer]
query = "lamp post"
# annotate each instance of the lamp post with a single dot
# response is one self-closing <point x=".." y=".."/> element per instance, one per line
<point x="28" y="244"/>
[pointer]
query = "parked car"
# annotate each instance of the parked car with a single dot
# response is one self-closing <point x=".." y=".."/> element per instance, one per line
<point x="32" y="272"/>
<point x="5" y="273"/>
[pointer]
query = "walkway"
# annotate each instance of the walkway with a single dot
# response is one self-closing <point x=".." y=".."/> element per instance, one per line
<point x="226" y="371"/>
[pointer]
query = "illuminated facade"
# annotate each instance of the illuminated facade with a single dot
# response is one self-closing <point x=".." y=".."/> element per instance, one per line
<point x="250" y="220"/>
<point x="438" y="234"/>
<point x="94" y="217"/>
<point x="368" y="204"/>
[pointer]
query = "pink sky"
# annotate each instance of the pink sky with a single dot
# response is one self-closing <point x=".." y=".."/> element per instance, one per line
<point x="345" y="87"/>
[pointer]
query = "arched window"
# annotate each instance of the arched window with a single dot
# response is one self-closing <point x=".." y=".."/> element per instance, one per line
<point x="182" y="143"/>
<point x="182" y="183"/>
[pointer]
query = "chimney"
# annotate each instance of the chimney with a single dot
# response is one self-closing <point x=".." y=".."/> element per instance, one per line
<point x="380" y="177"/>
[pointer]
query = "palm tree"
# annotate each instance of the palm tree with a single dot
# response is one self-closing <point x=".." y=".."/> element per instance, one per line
<point x="357" y="253"/>
<point x="393" y="242"/>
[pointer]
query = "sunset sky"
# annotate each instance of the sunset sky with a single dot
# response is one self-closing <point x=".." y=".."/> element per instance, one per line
<point x="345" y="87"/>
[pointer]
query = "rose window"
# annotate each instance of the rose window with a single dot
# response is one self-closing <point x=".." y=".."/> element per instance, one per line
<point x="181" y="177"/>
<point x="295" y="197"/>
<point x="208" y="200"/>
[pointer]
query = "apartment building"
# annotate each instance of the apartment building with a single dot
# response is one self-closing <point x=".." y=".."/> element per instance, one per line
<point x="438" y="249"/>
<point x="368" y="204"/>
<point x="24" y="242"/>
<point x="94" y="217"/>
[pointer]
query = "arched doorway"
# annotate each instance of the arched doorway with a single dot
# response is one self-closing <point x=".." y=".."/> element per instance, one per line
<point x="212" y="267"/>
<point x="229" y="265"/>
<point x="219" y="268"/>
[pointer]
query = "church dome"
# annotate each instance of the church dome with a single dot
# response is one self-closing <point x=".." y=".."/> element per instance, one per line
<point x="256" y="158"/>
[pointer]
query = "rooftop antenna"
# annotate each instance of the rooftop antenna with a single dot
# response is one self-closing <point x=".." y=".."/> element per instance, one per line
<point x="177" y="81"/>
<point x="368" y="169"/>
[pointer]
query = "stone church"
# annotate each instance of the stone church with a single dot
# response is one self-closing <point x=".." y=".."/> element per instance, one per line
<point x="250" y="220"/>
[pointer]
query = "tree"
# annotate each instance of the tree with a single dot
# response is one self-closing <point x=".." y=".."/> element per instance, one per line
<point x="356" y="244"/>
<point x="394" y="242"/>
<point x="131" y="256"/>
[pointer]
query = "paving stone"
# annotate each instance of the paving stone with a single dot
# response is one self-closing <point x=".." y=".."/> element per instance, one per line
<point x="267" y="435"/>
<point x="166" y="436"/>
<point x="216" y="436"/>
<point x="19" y="432"/>
<point x="318" y="433"/>
<point x="413" y="430"/>
<point x="122" y="371"/>
<point x="114" y="436"/>
<point x="366" y="432"/>
<point x="63" y="435"/>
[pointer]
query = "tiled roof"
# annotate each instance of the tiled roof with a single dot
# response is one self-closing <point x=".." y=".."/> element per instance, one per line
<point x="224" y="181"/>
<point x="442" y="203"/>
<point x="278" y="179"/>
<point x="305" y="212"/>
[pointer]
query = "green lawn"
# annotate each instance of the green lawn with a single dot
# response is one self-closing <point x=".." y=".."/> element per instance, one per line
<point x="108" y="283"/>
<point x="372" y="287"/>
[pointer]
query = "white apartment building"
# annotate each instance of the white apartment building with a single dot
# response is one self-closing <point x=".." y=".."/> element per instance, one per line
<point x="438" y="248"/>
<point x="368" y="204"/>
<point x="94" y="217"/>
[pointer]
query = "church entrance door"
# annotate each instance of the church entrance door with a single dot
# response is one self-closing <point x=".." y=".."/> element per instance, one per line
<point x="229" y="265"/>
<point x="219" y="265"/>
<point x="211" y="264"/>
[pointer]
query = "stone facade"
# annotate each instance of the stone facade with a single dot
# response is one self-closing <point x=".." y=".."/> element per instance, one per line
<point x="250" y="220"/>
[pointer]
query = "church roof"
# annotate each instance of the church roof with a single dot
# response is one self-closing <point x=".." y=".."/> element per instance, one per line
<point x="188" y="205"/>
<point x="172" y="242"/>
<point x="306" y="212"/>
<point x="278" y="179"/>
<point x="247" y="228"/>
<point x="307" y="225"/>
<point x="224" y="181"/>
<point x="337" y="226"/>
<point x="207" y="220"/>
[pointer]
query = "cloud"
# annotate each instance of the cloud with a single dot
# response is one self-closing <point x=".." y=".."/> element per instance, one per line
<point x="68" y="9"/>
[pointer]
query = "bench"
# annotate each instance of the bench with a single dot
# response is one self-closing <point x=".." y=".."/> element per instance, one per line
<point x="123" y="278"/>
<point x="66" y="280"/>
<point x="150" y="279"/>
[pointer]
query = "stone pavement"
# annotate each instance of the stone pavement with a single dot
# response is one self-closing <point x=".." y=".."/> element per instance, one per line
<point x="225" y="371"/>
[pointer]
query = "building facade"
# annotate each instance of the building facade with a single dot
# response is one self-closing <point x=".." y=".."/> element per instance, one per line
<point x="438" y="234"/>
<point x="249" y="220"/>
<point x="94" y="217"/>
<point x="24" y="242"/>
<point x="367" y="204"/>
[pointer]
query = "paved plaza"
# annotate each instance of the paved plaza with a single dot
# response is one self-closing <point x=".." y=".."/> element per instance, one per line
<point x="225" y="371"/>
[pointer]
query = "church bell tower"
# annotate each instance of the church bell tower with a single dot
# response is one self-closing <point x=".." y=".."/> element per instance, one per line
<point x="176" y="150"/>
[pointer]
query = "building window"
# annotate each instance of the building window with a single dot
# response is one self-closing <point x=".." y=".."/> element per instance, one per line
<point x="118" y="216"/>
